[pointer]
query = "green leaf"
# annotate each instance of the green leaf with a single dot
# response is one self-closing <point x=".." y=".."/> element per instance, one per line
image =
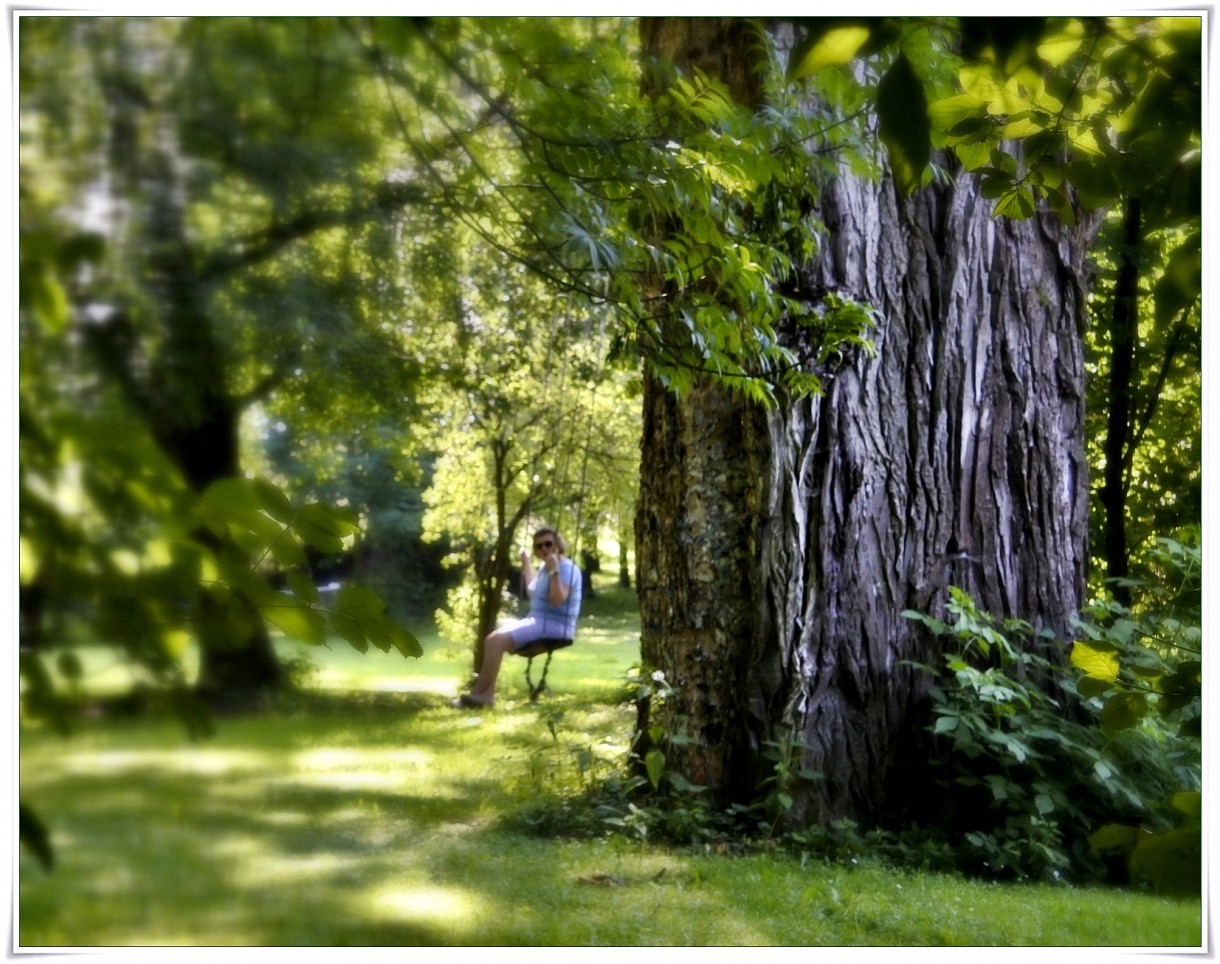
<point x="1182" y="687"/>
<point x="303" y="587"/>
<point x="232" y="500"/>
<point x="1090" y="686"/>
<point x="654" y="763"/>
<point x="683" y="785"/>
<point x="1181" y="284"/>
<point x="839" y="45"/>
<point x="1062" y="205"/>
<point x="995" y="185"/>
<point x="1060" y="45"/>
<point x="386" y="634"/>
<point x="324" y="527"/>
<point x="296" y="621"/>
<point x="902" y="113"/>
<point x="272" y="500"/>
<point x="360" y="603"/>
<point x="961" y="110"/>
<point x="48" y="298"/>
<point x="1172" y="861"/>
<point x="946" y="724"/>
<point x="338" y="520"/>
<point x="1189" y="802"/>
<point x="1096" y="660"/>
<point x="1112" y="837"/>
<point x="288" y="552"/>
<point x="1123" y="711"/>
<point x="1093" y="179"/>
<point x="351" y="630"/>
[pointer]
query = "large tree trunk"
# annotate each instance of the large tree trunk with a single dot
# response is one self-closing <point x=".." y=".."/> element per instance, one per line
<point x="189" y="408"/>
<point x="777" y="550"/>
<point x="197" y="423"/>
<point x="956" y="456"/>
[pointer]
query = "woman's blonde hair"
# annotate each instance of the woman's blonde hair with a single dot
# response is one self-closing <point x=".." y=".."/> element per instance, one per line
<point x="560" y="543"/>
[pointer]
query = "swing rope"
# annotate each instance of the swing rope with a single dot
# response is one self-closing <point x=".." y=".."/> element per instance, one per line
<point x="548" y="646"/>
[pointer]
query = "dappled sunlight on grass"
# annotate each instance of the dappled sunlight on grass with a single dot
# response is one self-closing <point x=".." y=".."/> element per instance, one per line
<point x="291" y="870"/>
<point x="186" y="760"/>
<point x="448" y="909"/>
<point x="371" y="814"/>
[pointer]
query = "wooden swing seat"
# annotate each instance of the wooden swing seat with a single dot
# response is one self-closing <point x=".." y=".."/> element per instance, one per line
<point x="537" y="648"/>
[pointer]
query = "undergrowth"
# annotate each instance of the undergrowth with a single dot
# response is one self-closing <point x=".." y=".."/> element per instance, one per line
<point x="1075" y="773"/>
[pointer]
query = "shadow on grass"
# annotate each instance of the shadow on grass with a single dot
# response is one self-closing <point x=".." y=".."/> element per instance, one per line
<point x="376" y="819"/>
<point x="333" y="819"/>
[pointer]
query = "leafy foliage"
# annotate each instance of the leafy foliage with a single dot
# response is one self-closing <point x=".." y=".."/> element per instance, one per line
<point x="1105" y="107"/>
<point x="687" y="212"/>
<point x="1148" y="662"/>
<point x="530" y="424"/>
<point x="186" y="203"/>
<point x="1146" y="667"/>
<point x="258" y="518"/>
<point x="1152" y="457"/>
<point x="1031" y="772"/>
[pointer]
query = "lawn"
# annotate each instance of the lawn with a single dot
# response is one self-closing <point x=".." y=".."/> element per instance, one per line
<point x="365" y="812"/>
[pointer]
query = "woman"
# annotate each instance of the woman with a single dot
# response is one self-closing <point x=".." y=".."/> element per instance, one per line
<point x="554" y="605"/>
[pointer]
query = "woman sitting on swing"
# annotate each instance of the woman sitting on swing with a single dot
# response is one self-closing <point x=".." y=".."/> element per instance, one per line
<point x="554" y="605"/>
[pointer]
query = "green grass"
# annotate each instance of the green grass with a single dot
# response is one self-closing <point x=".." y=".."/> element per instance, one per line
<point x="366" y="812"/>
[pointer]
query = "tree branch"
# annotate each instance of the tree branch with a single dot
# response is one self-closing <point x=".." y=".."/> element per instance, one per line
<point x="255" y="249"/>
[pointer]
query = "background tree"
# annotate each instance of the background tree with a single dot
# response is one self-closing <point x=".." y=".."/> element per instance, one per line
<point x="515" y="410"/>
<point x="196" y="210"/>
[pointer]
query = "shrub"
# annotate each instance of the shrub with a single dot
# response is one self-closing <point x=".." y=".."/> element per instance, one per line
<point x="1049" y="772"/>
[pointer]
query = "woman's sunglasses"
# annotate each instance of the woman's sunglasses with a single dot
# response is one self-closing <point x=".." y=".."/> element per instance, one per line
<point x="544" y="545"/>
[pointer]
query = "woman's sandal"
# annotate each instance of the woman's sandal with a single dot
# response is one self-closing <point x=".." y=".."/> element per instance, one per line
<point x="467" y="702"/>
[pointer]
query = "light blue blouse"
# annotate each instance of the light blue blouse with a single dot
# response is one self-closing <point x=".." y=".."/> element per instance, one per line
<point x="558" y="621"/>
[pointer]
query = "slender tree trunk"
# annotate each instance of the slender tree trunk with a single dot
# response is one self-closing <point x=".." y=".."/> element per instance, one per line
<point x="1124" y="335"/>
<point x="777" y="550"/>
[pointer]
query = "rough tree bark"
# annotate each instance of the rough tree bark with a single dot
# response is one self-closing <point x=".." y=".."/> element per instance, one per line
<point x="777" y="550"/>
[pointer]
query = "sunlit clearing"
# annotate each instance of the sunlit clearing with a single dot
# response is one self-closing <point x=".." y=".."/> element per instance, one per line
<point x="227" y="938"/>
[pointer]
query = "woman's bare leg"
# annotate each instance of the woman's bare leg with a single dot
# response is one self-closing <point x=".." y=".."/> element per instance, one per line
<point x="495" y="646"/>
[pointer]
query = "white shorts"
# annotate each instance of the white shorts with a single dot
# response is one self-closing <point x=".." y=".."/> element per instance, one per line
<point x="533" y="628"/>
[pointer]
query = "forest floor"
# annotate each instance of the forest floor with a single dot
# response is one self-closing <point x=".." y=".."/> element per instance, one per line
<point x="367" y="813"/>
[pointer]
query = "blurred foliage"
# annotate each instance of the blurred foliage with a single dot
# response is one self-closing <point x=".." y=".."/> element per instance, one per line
<point x="1154" y="451"/>
<point x="1040" y="107"/>
<point x="1149" y="661"/>
<point x="688" y="216"/>
<point x="203" y="208"/>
